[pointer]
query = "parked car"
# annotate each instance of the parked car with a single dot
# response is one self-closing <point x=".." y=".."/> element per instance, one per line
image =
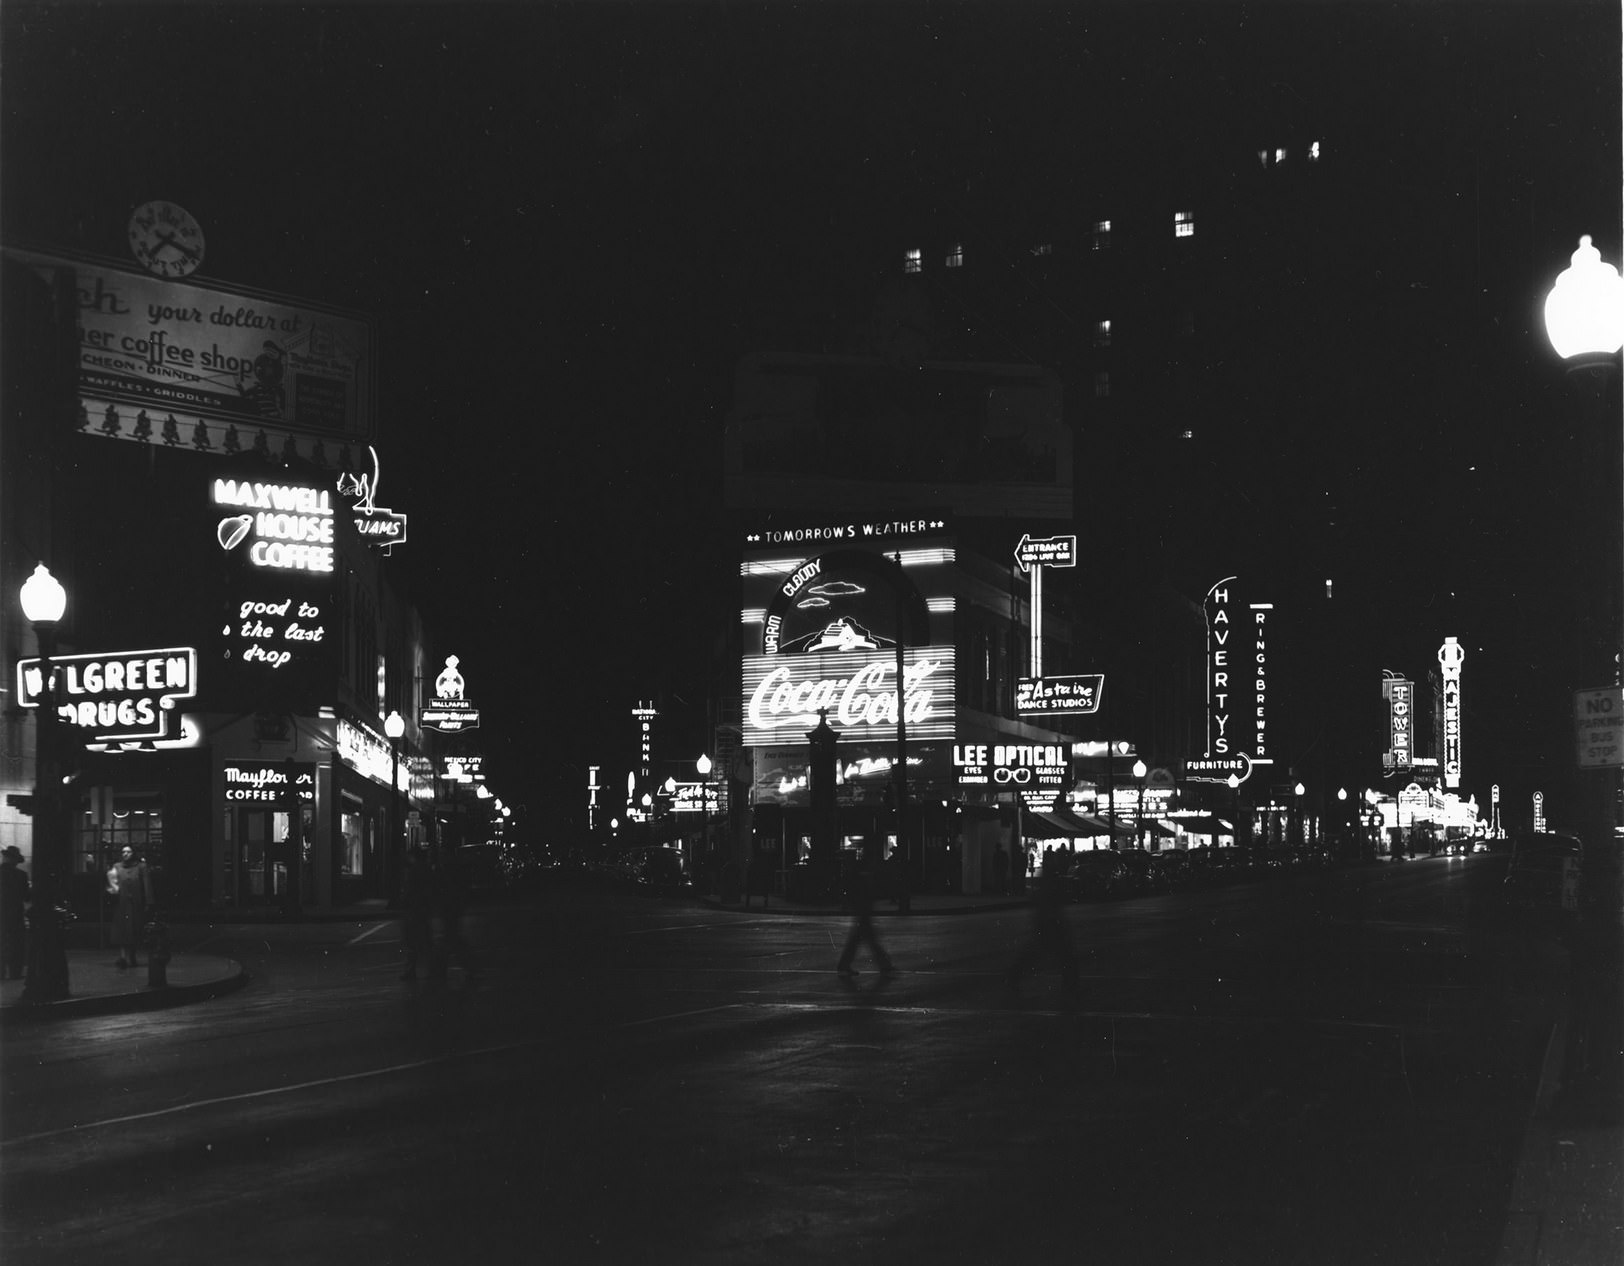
<point x="1545" y="871"/>
<point x="1096" y="875"/>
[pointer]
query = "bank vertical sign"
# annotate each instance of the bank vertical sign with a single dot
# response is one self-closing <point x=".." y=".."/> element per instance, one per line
<point x="1239" y="648"/>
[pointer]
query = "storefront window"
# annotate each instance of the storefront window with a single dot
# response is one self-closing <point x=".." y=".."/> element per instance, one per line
<point x="352" y="849"/>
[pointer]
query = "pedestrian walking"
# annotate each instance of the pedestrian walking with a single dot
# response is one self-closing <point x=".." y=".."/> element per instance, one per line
<point x="130" y="882"/>
<point x="14" y="896"/>
<point x="861" y="894"/>
<point x="1051" y="937"/>
<point x="450" y="895"/>
<point x="417" y="910"/>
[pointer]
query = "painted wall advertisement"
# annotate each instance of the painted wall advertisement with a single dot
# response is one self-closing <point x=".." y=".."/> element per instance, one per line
<point x="184" y="364"/>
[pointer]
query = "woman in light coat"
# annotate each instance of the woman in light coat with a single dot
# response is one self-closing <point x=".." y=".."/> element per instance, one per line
<point x="129" y="881"/>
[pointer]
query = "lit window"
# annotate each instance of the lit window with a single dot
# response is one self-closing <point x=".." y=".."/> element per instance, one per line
<point x="1102" y="334"/>
<point x="1045" y="248"/>
<point x="1184" y="224"/>
<point x="955" y="256"/>
<point x="1102" y="234"/>
<point x="1313" y="152"/>
<point x="1187" y="434"/>
<point x="1279" y="156"/>
<point x="1102" y="384"/>
<point x="912" y="261"/>
<point x="1263" y="157"/>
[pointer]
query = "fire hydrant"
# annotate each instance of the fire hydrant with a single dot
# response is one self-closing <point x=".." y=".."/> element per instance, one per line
<point x="155" y="936"/>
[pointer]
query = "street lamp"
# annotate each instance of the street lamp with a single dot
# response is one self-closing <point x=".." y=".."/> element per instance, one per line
<point x="43" y="602"/>
<point x="394" y="725"/>
<point x="1297" y="803"/>
<point x="1139" y="772"/>
<point x="1235" y="807"/>
<point x="703" y="765"/>
<point x="1584" y="319"/>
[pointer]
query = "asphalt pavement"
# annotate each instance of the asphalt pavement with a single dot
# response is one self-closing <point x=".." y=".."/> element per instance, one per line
<point x="1566" y="1207"/>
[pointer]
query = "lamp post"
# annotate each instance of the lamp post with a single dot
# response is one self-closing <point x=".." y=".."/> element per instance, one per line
<point x="1235" y="806"/>
<point x="43" y="602"/>
<point x="1297" y="812"/>
<point x="394" y="725"/>
<point x="1139" y="772"/>
<point x="1584" y="320"/>
<point x="703" y="765"/>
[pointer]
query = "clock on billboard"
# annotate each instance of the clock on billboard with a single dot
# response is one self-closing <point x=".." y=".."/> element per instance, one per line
<point x="165" y="239"/>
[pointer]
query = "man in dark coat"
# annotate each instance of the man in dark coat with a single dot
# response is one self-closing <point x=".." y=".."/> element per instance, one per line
<point x="14" y="896"/>
<point x="861" y="891"/>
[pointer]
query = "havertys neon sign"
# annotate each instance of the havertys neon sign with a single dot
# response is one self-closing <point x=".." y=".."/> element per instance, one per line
<point x="857" y="690"/>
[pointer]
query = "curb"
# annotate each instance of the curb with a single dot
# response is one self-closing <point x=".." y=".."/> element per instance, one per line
<point x="146" y="999"/>
<point x="716" y="903"/>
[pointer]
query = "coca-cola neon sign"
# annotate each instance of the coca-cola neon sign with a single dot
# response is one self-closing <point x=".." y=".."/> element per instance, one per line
<point x="856" y="690"/>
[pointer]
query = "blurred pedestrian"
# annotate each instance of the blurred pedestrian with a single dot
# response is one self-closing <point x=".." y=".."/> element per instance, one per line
<point x="417" y="909"/>
<point x="14" y="895"/>
<point x="450" y="896"/>
<point x="860" y="892"/>
<point x="1051" y="936"/>
<point x="130" y="882"/>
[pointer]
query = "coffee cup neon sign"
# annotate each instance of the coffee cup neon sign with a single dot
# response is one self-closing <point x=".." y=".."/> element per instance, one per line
<point x="291" y="527"/>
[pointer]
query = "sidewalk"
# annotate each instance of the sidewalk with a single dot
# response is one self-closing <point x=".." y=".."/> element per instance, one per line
<point x="922" y="903"/>
<point x="97" y="987"/>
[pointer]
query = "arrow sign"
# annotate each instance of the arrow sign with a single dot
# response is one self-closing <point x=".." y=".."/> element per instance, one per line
<point x="1046" y="551"/>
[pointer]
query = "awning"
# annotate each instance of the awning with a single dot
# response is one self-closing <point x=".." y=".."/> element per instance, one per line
<point x="1200" y="824"/>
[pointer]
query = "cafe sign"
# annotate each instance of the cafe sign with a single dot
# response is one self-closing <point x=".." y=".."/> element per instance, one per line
<point x="270" y="782"/>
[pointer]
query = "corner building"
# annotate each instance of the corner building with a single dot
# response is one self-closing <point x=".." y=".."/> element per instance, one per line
<point x="880" y="504"/>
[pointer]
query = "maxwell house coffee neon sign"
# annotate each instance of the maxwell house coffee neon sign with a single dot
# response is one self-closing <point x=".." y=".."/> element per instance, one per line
<point x="856" y="689"/>
<point x="289" y="528"/>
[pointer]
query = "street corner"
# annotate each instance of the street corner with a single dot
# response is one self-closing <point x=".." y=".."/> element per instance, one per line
<point x="98" y="986"/>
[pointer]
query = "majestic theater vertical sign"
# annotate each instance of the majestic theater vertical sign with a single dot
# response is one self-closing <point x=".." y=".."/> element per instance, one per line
<point x="831" y="603"/>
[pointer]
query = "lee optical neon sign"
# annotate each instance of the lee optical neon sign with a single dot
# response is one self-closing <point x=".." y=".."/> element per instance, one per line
<point x="857" y="690"/>
<point x="1015" y="764"/>
<point x="120" y="695"/>
<point x="291" y="527"/>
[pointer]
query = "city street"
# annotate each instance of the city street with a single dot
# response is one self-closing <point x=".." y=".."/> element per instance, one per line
<point x="1329" y="1067"/>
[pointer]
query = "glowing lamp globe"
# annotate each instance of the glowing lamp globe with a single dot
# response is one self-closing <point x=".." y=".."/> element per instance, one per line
<point x="703" y="765"/>
<point x="1584" y="313"/>
<point x="43" y="597"/>
<point x="1139" y="769"/>
<point x="394" y="725"/>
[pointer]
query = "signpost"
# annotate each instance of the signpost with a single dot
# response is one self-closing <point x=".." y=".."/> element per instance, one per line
<point x="1033" y="555"/>
<point x="1598" y="722"/>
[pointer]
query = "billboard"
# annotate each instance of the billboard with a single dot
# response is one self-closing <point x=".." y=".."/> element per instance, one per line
<point x="825" y="605"/>
<point x="183" y="364"/>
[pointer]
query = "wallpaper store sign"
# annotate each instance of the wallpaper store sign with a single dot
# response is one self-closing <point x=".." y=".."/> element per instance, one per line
<point x="118" y="695"/>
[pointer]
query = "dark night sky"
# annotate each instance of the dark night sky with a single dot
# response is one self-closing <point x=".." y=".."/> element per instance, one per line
<point x="568" y="222"/>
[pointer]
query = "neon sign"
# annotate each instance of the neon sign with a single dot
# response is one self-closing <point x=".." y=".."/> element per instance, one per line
<point x="270" y="782"/>
<point x="783" y="694"/>
<point x="1229" y="668"/>
<point x="1012" y="764"/>
<point x="291" y="526"/>
<point x="1400" y="706"/>
<point x="117" y="695"/>
<point x="381" y="527"/>
<point x="1450" y="656"/>
<point x="449" y="712"/>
